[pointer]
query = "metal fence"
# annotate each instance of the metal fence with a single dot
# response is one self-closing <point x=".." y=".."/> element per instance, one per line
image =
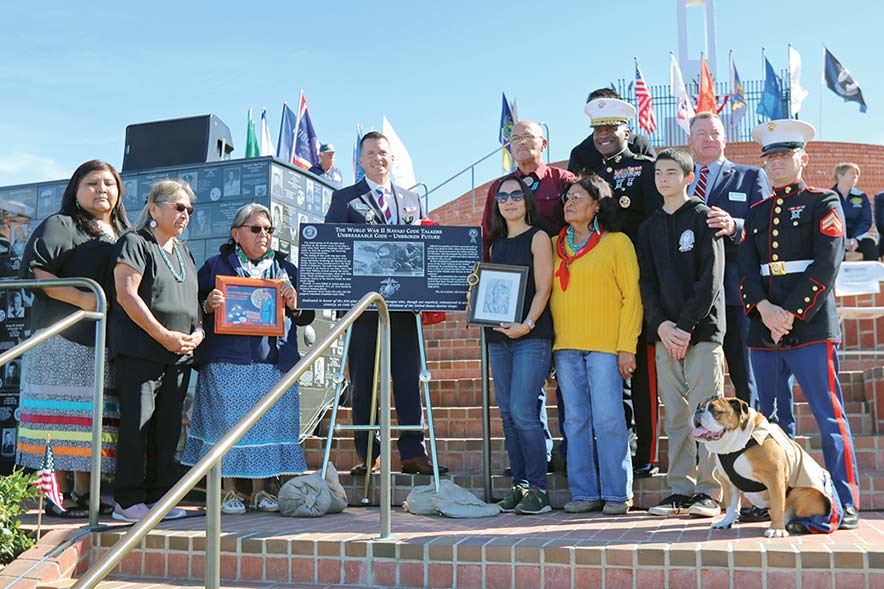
<point x="669" y="133"/>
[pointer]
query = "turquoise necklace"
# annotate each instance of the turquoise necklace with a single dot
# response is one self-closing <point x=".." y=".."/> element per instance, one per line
<point x="570" y="236"/>
<point x="182" y="269"/>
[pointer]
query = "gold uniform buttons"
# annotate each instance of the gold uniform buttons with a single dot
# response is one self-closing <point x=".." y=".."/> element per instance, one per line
<point x="787" y="191"/>
<point x="794" y="223"/>
<point x="779" y="202"/>
<point x="815" y="288"/>
<point x="610" y="170"/>
<point x="800" y="311"/>
<point x="776" y="221"/>
<point x="775" y="245"/>
<point x="778" y="210"/>
<point x="775" y="232"/>
<point x="775" y="257"/>
<point x="806" y="299"/>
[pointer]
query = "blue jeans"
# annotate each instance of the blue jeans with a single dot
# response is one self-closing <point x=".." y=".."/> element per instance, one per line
<point x="599" y="464"/>
<point x="519" y="369"/>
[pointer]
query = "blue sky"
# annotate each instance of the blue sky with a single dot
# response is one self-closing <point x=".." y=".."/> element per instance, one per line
<point x="72" y="77"/>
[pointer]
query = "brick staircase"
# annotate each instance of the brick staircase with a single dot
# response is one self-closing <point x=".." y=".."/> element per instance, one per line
<point x="453" y="359"/>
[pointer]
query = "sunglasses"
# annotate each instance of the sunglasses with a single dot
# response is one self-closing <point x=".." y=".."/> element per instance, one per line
<point x="256" y="229"/>
<point x="515" y="196"/>
<point x="576" y="197"/>
<point x="181" y="208"/>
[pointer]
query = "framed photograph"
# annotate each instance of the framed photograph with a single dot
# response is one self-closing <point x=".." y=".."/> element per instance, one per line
<point x="252" y="306"/>
<point x="497" y="294"/>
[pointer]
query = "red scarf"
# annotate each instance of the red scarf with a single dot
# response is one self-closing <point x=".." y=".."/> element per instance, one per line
<point x="563" y="273"/>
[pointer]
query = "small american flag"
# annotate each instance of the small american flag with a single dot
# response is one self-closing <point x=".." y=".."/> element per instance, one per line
<point x="646" y="119"/>
<point x="46" y="481"/>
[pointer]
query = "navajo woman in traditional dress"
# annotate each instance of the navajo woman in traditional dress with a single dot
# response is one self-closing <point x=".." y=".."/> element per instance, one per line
<point x="154" y="328"/>
<point x="235" y="371"/>
<point x="57" y="385"/>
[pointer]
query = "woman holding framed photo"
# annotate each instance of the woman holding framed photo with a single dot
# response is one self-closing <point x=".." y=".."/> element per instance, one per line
<point x="519" y="352"/>
<point x="237" y="370"/>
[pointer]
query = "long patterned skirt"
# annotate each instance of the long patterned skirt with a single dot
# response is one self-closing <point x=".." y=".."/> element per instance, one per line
<point x="224" y="393"/>
<point x="56" y="402"/>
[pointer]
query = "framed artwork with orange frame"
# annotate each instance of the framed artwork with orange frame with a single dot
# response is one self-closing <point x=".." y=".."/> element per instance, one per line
<point x="252" y="306"/>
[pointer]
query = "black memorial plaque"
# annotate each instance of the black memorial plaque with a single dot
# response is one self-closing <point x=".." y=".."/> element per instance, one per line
<point x="420" y="268"/>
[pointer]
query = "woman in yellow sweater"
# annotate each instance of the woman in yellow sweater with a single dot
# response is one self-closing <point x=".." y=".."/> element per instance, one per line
<point x="597" y="314"/>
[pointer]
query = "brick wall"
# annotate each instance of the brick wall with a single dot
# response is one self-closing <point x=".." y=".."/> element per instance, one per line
<point x="824" y="156"/>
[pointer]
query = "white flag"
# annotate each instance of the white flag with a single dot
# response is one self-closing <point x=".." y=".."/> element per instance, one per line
<point x="684" y="110"/>
<point x="266" y="140"/>
<point x="402" y="170"/>
<point x="798" y="93"/>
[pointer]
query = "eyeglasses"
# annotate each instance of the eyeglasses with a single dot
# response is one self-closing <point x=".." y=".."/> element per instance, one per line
<point x="573" y="196"/>
<point x="515" y="196"/>
<point x="180" y="207"/>
<point x="521" y="138"/>
<point x="256" y="229"/>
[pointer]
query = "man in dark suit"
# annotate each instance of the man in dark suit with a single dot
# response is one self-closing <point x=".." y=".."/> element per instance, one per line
<point x="729" y="190"/>
<point x="376" y="200"/>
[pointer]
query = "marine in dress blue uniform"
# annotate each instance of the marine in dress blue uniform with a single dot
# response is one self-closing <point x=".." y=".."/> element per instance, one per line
<point x="793" y="244"/>
<point x="631" y="177"/>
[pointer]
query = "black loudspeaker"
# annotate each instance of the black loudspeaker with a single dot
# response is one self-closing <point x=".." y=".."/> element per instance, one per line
<point x="192" y="140"/>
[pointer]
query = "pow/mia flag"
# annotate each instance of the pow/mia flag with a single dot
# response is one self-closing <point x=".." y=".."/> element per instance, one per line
<point x="839" y="81"/>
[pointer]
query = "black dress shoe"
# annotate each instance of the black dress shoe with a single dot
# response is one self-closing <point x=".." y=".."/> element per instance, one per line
<point x="360" y="469"/>
<point x="646" y="471"/>
<point x="755" y="514"/>
<point x="420" y="465"/>
<point x="797" y="529"/>
<point x="850" y="521"/>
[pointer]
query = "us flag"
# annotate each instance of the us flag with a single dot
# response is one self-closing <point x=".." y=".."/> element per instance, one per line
<point x="646" y="119"/>
<point x="46" y="481"/>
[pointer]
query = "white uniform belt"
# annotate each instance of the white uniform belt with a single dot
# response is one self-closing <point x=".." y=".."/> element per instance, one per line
<point x="782" y="268"/>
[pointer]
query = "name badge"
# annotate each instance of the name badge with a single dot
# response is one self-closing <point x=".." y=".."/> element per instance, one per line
<point x="737" y="196"/>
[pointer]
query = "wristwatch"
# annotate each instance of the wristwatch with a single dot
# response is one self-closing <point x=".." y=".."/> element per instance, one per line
<point x="530" y="324"/>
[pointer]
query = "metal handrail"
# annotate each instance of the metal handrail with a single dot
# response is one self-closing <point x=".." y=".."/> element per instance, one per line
<point x="99" y="315"/>
<point x="210" y="464"/>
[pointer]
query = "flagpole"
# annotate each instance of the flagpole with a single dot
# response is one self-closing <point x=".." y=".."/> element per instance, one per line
<point x="822" y="84"/>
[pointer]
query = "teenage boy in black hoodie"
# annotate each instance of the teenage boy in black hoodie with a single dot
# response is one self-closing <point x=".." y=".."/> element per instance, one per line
<point x="682" y="286"/>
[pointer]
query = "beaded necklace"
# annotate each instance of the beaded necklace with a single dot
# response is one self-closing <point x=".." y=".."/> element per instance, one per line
<point x="182" y="269"/>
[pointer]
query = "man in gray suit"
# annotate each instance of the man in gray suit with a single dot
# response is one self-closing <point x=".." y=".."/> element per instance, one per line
<point x="376" y="200"/>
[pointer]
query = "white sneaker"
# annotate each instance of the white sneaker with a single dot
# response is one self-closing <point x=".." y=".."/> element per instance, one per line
<point x="132" y="513"/>
<point x="231" y="504"/>
<point x="264" y="501"/>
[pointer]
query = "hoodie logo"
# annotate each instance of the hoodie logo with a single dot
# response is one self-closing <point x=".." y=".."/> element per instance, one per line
<point x="686" y="241"/>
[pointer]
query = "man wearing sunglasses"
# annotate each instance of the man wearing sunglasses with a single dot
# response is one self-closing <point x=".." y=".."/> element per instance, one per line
<point x="631" y="177"/>
<point x="376" y="200"/>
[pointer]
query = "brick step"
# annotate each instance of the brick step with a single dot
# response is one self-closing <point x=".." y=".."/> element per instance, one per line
<point x="647" y="492"/>
<point x="452" y="422"/>
<point x="464" y="455"/>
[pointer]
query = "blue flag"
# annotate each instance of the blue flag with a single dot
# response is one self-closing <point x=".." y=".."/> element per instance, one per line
<point x="358" y="170"/>
<point x="771" y="103"/>
<point x="839" y="81"/>
<point x="306" y="152"/>
<point x="737" y="95"/>
<point x="507" y="122"/>
<point x="286" y="142"/>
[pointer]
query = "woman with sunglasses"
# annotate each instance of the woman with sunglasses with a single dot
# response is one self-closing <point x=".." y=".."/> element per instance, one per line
<point x="236" y="371"/>
<point x="597" y="313"/>
<point x="154" y="328"/>
<point x="519" y="353"/>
